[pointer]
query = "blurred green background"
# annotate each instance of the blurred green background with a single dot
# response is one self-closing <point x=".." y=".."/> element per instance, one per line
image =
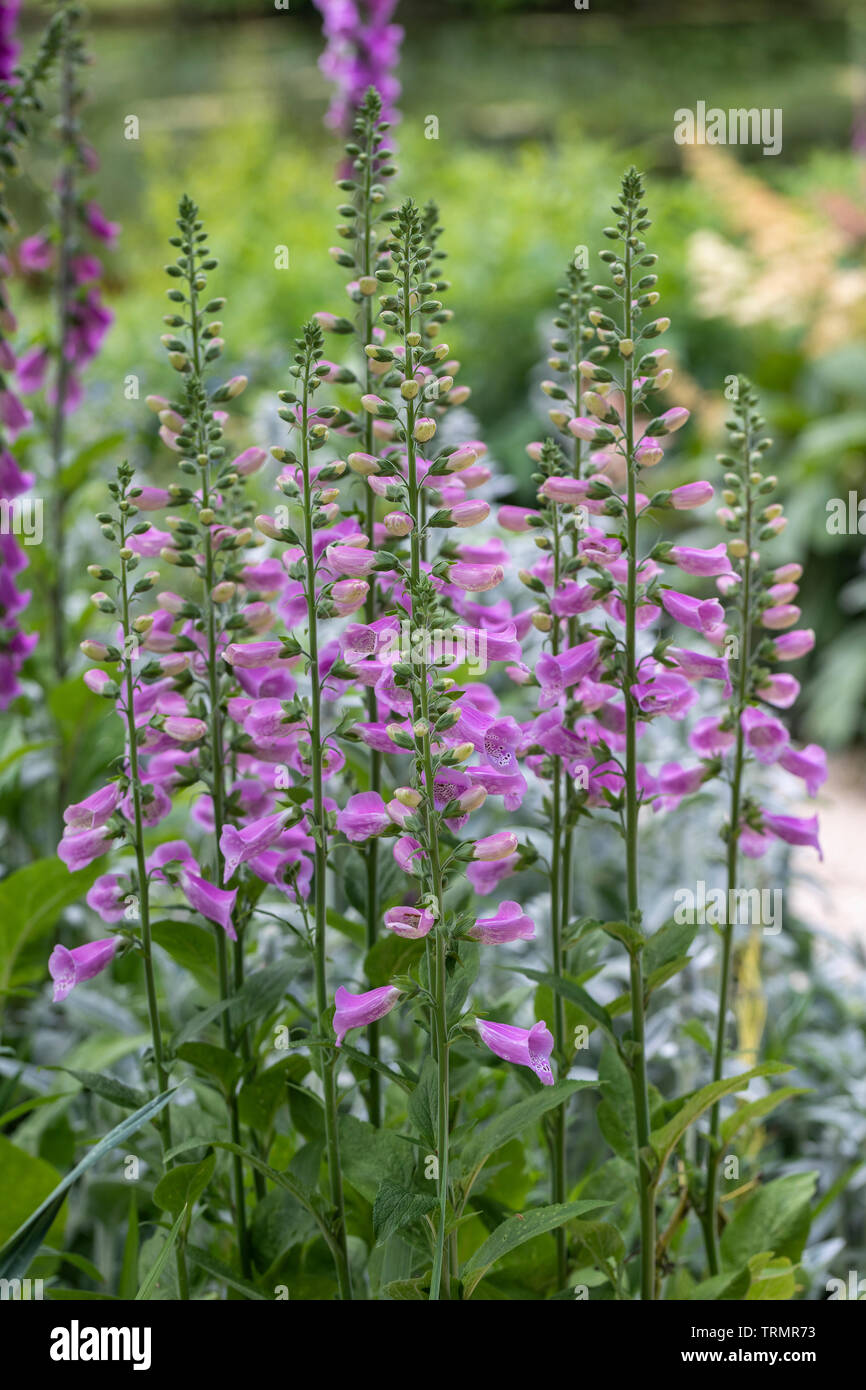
<point x="540" y="107"/>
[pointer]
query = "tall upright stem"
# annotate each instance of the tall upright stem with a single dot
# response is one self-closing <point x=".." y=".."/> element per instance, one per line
<point x="374" y="1089"/>
<point x="440" y="1285"/>
<point x="557" y="893"/>
<point x="328" y="1060"/>
<point x="164" y="1118"/>
<point x="217" y="746"/>
<point x="638" y="1061"/>
<point x="710" y="1216"/>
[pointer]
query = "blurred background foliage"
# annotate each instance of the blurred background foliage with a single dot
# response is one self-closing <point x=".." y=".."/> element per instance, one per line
<point x="539" y="107"/>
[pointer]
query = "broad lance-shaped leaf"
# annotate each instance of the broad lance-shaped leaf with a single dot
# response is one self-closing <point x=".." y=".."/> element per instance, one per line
<point x="19" y="1250"/>
<point x="516" y="1120"/>
<point x="775" y="1218"/>
<point x="395" y="1208"/>
<point x="757" y="1110"/>
<point x="663" y="1141"/>
<point x="573" y="992"/>
<point x="516" y="1231"/>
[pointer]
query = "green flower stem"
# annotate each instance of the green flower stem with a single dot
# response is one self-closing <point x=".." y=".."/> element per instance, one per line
<point x="374" y="1089"/>
<point x="646" y="1192"/>
<point x="163" y="1121"/>
<point x="327" y="1058"/>
<point x="557" y="921"/>
<point x="710" y="1215"/>
<point x="215" y="722"/>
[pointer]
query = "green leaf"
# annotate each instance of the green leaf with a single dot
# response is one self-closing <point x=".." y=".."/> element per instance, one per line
<point x="407" y="1290"/>
<point x="633" y="940"/>
<point x="695" y="1030"/>
<point x="615" y="1114"/>
<point x="424" y="1104"/>
<point x="31" y="900"/>
<point x="182" y="1185"/>
<point x="395" y="1208"/>
<point x="663" y="1141"/>
<point x="191" y="946"/>
<point x="19" y="1250"/>
<point x="461" y="977"/>
<point x="260" y="1098"/>
<point x="757" y="1110"/>
<point x="515" y="1232"/>
<point x="212" y="1061"/>
<point x="148" y="1287"/>
<point x="369" y="1155"/>
<point x="109" y="1088"/>
<point x="720" y="1288"/>
<point x="355" y="931"/>
<point x="776" y="1218"/>
<point x="569" y="989"/>
<point x="224" y="1273"/>
<point x="392" y="955"/>
<point x="405" y="1080"/>
<point x="669" y="943"/>
<point x="771" y="1279"/>
<point x="515" y="1121"/>
<point x="24" y="1181"/>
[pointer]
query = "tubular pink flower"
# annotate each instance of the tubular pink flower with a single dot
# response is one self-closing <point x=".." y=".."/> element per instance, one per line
<point x="353" y="561"/>
<point x="81" y="847"/>
<point x="649" y="452"/>
<point x="699" y="614"/>
<point x="364" y="815"/>
<point x="469" y="513"/>
<point x="765" y="735"/>
<point x="69" y="968"/>
<point x="408" y="855"/>
<point x="783" y="615"/>
<point x="556" y="673"/>
<point x="702" y="562"/>
<point x="697" y="666"/>
<point x="810" y="763"/>
<point x="184" y="728"/>
<point x="794" y="830"/>
<point x="780" y="690"/>
<point x="709" y="739"/>
<point x="107" y="897"/>
<point x="509" y="924"/>
<point x="239" y="846"/>
<point x="516" y="519"/>
<point x="524" y="1047"/>
<point x="570" y="491"/>
<point x="216" y="904"/>
<point x="409" y="922"/>
<point x="790" y="646"/>
<point x="250" y="655"/>
<point x="498" y="846"/>
<point x="475" y="579"/>
<point x="95" y="810"/>
<point x="358" y="1010"/>
<point x="691" y="495"/>
<point x="667" y="693"/>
